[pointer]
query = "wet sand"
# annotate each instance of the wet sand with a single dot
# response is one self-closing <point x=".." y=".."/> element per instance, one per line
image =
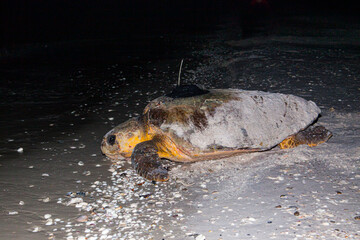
<point x="310" y="193"/>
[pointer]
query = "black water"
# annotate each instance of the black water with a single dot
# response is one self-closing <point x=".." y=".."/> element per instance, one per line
<point x="49" y="88"/>
<point x="59" y="59"/>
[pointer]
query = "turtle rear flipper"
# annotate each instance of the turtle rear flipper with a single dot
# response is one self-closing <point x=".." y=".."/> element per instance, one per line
<point x="312" y="136"/>
<point x="147" y="163"/>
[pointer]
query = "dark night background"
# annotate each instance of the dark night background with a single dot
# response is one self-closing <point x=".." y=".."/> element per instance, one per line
<point x="72" y="70"/>
<point x="50" y="21"/>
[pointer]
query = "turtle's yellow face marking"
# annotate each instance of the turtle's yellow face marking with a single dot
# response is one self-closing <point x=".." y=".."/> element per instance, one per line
<point x="120" y="141"/>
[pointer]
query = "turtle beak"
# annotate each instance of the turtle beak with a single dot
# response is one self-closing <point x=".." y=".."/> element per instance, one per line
<point x="103" y="146"/>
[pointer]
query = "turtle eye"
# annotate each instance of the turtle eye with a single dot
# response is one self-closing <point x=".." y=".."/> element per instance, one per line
<point x="111" y="139"/>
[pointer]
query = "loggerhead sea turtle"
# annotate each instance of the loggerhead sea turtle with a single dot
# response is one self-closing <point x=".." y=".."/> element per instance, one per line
<point x="193" y="124"/>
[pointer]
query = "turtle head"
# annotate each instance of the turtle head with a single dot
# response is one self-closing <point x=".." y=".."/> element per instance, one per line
<point x="121" y="140"/>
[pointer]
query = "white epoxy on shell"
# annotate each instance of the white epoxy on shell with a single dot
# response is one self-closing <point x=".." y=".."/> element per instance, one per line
<point x="255" y="120"/>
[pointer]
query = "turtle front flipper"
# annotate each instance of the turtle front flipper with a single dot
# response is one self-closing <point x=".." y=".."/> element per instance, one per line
<point x="311" y="136"/>
<point x="147" y="163"/>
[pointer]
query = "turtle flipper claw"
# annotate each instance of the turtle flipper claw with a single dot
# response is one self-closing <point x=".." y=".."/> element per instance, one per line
<point x="147" y="162"/>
